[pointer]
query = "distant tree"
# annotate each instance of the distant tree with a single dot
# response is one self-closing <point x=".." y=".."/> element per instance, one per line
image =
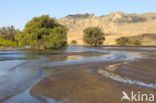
<point x="73" y="42"/>
<point x="125" y="41"/>
<point x="93" y="36"/>
<point x="43" y="31"/>
<point x="8" y="33"/>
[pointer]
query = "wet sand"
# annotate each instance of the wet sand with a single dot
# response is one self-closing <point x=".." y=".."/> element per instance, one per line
<point x="19" y="74"/>
<point x="98" y="82"/>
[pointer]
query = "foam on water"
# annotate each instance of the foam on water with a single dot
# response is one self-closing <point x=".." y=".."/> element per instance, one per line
<point x="116" y="77"/>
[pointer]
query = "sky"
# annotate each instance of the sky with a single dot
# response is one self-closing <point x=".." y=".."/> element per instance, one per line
<point x="19" y="12"/>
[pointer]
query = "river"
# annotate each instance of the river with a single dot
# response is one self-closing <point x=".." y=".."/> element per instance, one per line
<point x="20" y="70"/>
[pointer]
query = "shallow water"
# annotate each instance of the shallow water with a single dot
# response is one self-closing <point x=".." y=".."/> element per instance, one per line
<point x="112" y="56"/>
<point x="117" y="77"/>
<point x="20" y="70"/>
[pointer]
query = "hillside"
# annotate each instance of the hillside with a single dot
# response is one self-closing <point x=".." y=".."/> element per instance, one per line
<point x="114" y="25"/>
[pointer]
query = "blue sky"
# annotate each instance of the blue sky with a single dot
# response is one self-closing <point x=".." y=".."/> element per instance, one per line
<point x="18" y="12"/>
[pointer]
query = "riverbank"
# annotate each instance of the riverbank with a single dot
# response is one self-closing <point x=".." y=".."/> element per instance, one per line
<point x="99" y="82"/>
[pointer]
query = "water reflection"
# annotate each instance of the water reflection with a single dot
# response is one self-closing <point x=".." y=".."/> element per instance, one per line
<point x="15" y="55"/>
<point x="73" y="57"/>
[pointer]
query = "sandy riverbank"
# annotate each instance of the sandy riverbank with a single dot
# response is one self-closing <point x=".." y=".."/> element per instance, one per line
<point x="101" y="82"/>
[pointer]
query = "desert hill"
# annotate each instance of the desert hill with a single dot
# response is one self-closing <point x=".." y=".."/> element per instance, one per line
<point x="114" y="25"/>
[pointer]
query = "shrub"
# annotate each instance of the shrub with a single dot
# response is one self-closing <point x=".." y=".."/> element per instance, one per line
<point x="122" y="41"/>
<point x="125" y="41"/>
<point x="4" y="42"/>
<point x="73" y="42"/>
<point x="135" y="43"/>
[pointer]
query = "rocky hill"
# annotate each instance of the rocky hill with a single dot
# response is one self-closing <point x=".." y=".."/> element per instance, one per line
<point x="114" y="25"/>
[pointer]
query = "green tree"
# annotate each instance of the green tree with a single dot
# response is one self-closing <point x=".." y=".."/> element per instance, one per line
<point x="93" y="36"/>
<point x="8" y="33"/>
<point x="43" y="31"/>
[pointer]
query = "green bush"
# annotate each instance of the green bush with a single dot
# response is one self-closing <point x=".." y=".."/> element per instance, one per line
<point x="125" y="41"/>
<point x="4" y="42"/>
<point x="42" y="32"/>
<point x="93" y="36"/>
<point x="73" y="42"/>
<point x="135" y="43"/>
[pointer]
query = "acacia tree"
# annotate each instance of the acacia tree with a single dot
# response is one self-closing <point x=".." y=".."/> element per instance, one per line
<point x="43" y="31"/>
<point x="93" y="36"/>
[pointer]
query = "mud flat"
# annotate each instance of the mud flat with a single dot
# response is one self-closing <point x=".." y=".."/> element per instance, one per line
<point x="21" y="70"/>
<point x="99" y="80"/>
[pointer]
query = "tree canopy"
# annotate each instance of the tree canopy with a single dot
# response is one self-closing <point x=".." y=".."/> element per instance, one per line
<point x="93" y="36"/>
<point x="43" y="31"/>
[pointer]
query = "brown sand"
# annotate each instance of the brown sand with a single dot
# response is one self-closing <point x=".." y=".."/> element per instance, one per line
<point x="83" y="84"/>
